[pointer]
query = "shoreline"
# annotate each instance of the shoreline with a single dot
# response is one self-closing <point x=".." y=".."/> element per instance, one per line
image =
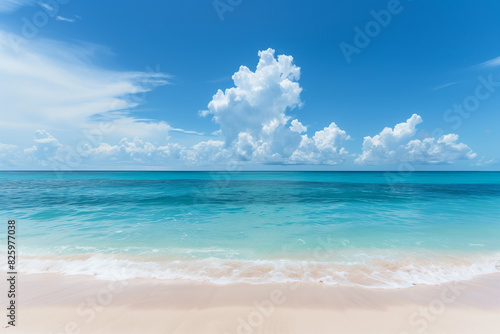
<point x="386" y="269"/>
<point x="54" y="303"/>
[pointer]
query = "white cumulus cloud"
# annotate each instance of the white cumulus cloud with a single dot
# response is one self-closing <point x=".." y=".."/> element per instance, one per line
<point x="259" y="98"/>
<point x="325" y="147"/>
<point x="253" y="117"/>
<point x="298" y="127"/>
<point x="80" y="116"/>
<point x="395" y="145"/>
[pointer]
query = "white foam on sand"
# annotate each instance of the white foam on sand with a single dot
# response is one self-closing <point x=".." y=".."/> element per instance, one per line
<point x="371" y="272"/>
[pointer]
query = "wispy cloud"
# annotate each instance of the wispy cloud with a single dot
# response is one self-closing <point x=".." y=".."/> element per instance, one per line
<point x="54" y="85"/>
<point x="486" y="162"/>
<point x="61" y="18"/>
<point x="12" y="5"/>
<point x="445" y="85"/>
<point x="190" y="132"/>
<point x="47" y="7"/>
<point x="76" y="109"/>
<point x="488" y="64"/>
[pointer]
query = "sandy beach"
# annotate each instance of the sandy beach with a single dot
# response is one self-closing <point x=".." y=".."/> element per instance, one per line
<point x="249" y="167"/>
<point x="53" y="303"/>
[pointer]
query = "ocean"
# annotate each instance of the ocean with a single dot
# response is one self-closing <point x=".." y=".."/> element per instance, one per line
<point x="370" y="229"/>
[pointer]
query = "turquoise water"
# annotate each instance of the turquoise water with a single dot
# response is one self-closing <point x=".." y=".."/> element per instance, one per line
<point x="353" y="228"/>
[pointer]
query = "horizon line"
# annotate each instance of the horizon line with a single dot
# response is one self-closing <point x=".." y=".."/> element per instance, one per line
<point x="247" y="171"/>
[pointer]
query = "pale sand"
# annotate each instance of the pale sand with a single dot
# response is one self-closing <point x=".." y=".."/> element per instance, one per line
<point x="71" y="304"/>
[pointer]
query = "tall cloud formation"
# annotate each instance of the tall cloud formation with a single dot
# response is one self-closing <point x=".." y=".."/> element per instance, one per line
<point x="253" y="117"/>
<point x="391" y="146"/>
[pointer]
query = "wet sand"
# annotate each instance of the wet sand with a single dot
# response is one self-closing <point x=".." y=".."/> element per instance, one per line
<point x="53" y="303"/>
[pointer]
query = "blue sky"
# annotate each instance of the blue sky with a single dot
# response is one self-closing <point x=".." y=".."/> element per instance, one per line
<point x="128" y="85"/>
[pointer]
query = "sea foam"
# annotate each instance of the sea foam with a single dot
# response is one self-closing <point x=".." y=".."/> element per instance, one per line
<point x="374" y="273"/>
